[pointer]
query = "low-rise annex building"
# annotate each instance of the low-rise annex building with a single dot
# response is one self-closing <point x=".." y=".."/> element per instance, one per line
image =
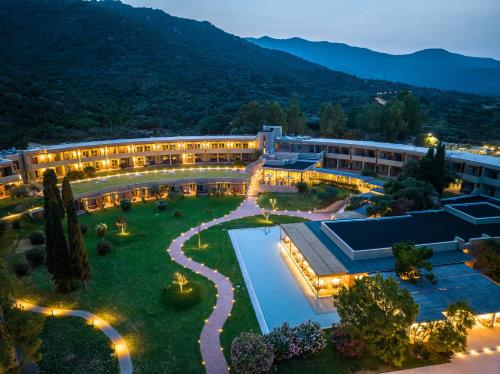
<point x="331" y="254"/>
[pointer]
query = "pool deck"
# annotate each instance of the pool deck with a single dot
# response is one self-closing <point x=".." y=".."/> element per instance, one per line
<point x="274" y="287"/>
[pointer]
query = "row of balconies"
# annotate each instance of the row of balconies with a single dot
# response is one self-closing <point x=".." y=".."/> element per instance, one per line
<point x="143" y="154"/>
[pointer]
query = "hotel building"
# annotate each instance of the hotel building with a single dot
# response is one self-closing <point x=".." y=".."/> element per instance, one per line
<point x="288" y="160"/>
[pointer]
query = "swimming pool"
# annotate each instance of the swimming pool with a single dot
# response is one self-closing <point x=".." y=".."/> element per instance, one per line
<point x="274" y="289"/>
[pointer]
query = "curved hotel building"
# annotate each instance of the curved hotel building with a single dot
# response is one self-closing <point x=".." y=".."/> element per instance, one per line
<point x="288" y="160"/>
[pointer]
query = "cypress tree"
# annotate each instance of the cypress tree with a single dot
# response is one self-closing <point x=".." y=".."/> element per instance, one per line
<point x="80" y="268"/>
<point x="58" y="260"/>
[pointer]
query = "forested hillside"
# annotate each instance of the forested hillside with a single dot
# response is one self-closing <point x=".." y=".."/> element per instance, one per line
<point x="71" y="69"/>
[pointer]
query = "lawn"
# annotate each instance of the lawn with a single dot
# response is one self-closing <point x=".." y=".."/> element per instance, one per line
<point x="100" y="183"/>
<point x="300" y="201"/>
<point x="70" y="345"/>
<point x="126" y="285"/>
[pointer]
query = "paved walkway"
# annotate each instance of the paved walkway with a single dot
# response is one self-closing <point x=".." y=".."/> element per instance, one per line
<point x="119" y="343"/>
<point x="211" y="350"/>
<point x="482" y="357"/>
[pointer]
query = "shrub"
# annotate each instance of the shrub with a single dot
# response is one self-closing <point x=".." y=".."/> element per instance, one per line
<point x="21" y="267"/>
<point x="75" y="174"/>
<point x="302" y="187"/>
<point x="101" y="229"/>
<point x="37" y="238"/>
<point x="125" y="204"/>
<point x="345" y="342"/>
<point x="20" y="191"/>
<point x="104" y="246"/>
<point x="282" y="341"/>
<point x="161" y="205"/>
<point x="310" y="338"/>
<point x="35" y="256"/>
<point x="89" y="171"/>
<point x="325" y="192"/>
<point x="3" y="226"/>
<point x="84" y="228"/>
<point x="239" y="164"/>
<point x="250" y="354"/>
<point x="189" y="297"/>
<point x="16" y="225"/>
<point x="177" y="213"/>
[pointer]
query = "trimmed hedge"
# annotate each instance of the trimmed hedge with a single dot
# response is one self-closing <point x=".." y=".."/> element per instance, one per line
<point x="37" y="238"/>
<point x="104" y="247"/>
<point x="35" y="256"/>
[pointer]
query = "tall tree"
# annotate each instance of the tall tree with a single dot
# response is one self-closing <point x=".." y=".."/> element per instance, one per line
<point x="380" y="312"/>
<point x="273" y="113"/>
<point x="295" y="123"/>
<point x="249" y="118"/>
<point x="332" y="119"/>
<point x="410" y="260"/>
<point x="58" y="257"/>
<point x="80" y="267"/>
<point x="412" y="112"/>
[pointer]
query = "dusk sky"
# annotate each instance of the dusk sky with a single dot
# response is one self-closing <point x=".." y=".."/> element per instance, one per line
<point x="470" y="27"/>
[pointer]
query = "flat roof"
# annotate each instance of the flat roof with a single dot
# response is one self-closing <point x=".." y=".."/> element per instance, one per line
<point x="381" y="264"/>
<point x="322" y="261"/>
<point x="300" y="165"/>
<point x="454" y="283"/>
<point x="470" y="199"/>
<point x="479" y="210"/>
<point x="100" y="143"/>
<point x="419" y="227"/>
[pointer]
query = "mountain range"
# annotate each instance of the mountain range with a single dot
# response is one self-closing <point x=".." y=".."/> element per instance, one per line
<point x="436" y="68"/>
<point x="81" y="70"/>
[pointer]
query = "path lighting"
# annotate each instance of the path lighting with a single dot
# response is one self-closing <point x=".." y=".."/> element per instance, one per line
<point x="180" y="280"/>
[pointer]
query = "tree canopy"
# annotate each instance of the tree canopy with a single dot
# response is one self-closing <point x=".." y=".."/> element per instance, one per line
<point x="380" y="313"/>
<point x="410" y="260"/>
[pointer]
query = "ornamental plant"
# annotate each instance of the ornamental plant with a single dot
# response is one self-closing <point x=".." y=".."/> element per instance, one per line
<point x="101" y="229"/>
<point x="282" y="341"/>
<point x="345" y="342"/>
<point x="310" y="338"/>
<point x="250" y="354"/>
<point x="103" y="247"/>
<point x="37" y="237"/>
<point x="161" y="205"/>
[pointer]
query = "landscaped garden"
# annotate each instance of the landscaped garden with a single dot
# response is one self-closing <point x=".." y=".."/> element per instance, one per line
<point x="308" y="198"/>
<point x="133" y="177"/>
<point x="126" y="287"/>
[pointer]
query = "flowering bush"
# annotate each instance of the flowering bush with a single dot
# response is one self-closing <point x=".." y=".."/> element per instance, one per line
<point x="310" y="338"/>
<point x="250" y="354"/>
<point x="282" y="341"/>
<point x="101" y="229"/>
<point x="345" y="343"/>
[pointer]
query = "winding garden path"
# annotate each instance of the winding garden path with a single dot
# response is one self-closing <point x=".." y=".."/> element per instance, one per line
<point x="121" y="348"/>
<point x="211" y="350"/>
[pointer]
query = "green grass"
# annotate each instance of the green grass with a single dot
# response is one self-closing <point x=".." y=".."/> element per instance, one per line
<point x="85" y="186"/>
<point x="298" y="201"/>
<point x="69" y="345"/>
<point x="10" y="205"/>
<point x="126" y="285"/>
<point x="219" y="254"/>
